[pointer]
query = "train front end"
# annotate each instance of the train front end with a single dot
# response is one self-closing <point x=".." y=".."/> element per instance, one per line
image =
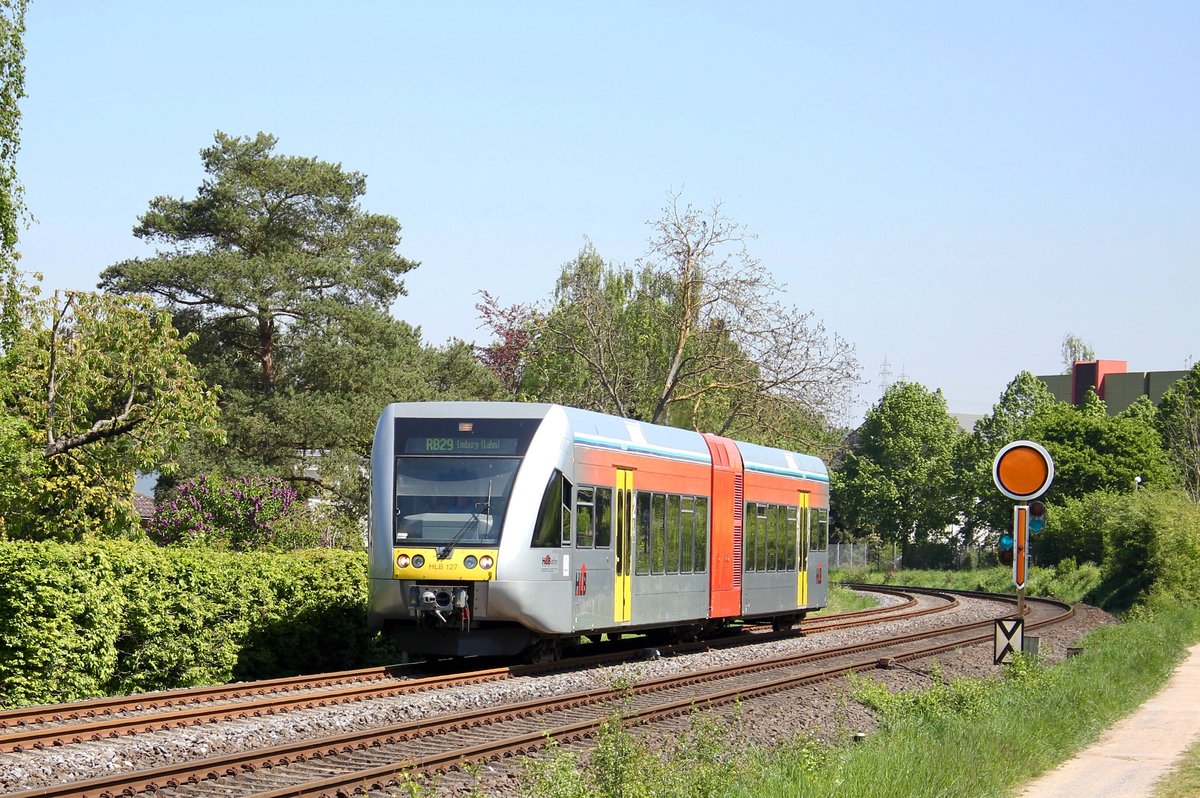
<point x="447" y="478"/>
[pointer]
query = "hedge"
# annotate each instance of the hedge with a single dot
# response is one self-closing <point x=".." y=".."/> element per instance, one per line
<point x="103" y="618"/>
<point x="1147" y="543"/>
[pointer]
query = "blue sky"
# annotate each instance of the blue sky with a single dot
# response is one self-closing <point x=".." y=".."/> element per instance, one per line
<point x="951" y="187"/>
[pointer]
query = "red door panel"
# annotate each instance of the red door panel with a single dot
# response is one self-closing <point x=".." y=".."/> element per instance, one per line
<point x="725" y="548"/>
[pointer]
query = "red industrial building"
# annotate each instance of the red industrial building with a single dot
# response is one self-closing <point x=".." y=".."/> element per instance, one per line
<point x="1112" y="381"/>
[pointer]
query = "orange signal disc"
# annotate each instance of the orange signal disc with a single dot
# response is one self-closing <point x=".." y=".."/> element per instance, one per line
<point x="1023" y="470"/>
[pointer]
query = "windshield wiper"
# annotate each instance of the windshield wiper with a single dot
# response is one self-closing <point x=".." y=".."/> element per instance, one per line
<point x="444" y="551"/>
<point x="472" y="522"/>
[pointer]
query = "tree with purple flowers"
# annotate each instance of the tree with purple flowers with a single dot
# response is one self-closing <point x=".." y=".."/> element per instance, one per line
<point x="243" y="514"/>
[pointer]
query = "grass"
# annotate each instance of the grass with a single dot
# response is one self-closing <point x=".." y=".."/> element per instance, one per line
<point x="965" y="738"/>
<point x="843" y="599"/>
<point x="1033" y="721"/>
<point x="1184" y="780"/>
<point x="1067" y="581"/>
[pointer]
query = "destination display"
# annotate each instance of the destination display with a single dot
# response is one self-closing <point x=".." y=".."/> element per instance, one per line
<point x="457" y="445"/>
<point x="464" y="437"/>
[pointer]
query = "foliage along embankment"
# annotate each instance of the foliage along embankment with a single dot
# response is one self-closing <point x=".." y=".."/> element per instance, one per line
<point x="97" y="618"/>
<point x="962" y="738"/>
<point x="987" y="738"/>
<point x="1066" y="581"/>
<point x="1147" y="545"/>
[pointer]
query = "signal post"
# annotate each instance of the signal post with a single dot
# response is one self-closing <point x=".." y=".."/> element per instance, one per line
<point x="1023" y="470"/>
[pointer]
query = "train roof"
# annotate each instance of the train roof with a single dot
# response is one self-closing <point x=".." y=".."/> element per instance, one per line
<point x="780" y="461"/>
<point x="605" y="431"/>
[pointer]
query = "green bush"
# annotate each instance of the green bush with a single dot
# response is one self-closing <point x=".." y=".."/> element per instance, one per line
<point x="1152" y="549"/>
<point x="58" y="629"/>
<point x="1148" y="543"/>
<point x="961" y="696"/>
<point x="96" y="618"/>
<point x="1072" y="531"/>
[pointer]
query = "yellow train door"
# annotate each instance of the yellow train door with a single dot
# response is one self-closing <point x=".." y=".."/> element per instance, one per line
<point x="623" y="563"/>
<point x="802" y="531"/>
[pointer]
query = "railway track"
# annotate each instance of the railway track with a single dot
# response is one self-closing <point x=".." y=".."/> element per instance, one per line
<point x="375" y="758"/>
<point x="106" y="718"/>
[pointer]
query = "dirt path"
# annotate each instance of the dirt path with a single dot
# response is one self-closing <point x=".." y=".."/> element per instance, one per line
<point x="1131" y="756"/>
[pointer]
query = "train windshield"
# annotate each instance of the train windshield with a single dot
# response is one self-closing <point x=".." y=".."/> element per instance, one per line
<point x="452" y="501"/>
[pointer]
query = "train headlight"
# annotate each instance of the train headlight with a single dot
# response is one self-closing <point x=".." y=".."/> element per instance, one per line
<point x="486" y="562"/>
<point x="470" y="561"/>
<point x="402" y="561"/>
<point x="418" y="561"/>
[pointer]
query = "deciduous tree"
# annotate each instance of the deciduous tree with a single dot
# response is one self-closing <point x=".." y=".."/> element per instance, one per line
<point x="1075" y="348"/>
<point x="898" y="478"/>
<point x="984" y="507"/>
<point x="1094" y="451"/>
<point x="102" y="387"/>
<point x="1179" y="422"/>
<point x="12" y="209"/>
<point x="512" y="330"/>
<point x="694" y="335"/>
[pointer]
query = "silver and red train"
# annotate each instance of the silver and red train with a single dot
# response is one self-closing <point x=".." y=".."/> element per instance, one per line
<point x="507" y="528"/>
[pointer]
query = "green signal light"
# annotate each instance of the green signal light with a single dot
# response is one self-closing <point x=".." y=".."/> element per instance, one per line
<point x="1005" y="555"/>
<point x="1037" y="517"/>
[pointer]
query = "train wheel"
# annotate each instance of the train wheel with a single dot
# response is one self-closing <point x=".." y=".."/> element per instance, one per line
<point x="784" y="623"/>
<point x="673" y="635"/>
<point x="543" y="650"/>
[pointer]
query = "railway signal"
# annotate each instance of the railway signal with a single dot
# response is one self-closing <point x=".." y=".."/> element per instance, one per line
<point x="1005" y="553"/>
<point x="1023" y="470"/>
<point x="1037" y="517"/>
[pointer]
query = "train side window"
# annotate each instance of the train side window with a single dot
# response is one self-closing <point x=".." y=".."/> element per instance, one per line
<point x="585" y="517"/>
<point x="567" y="528"/>
<point x="642" y="565"/>
<point x="822" y="530"/>
<point x="790" y="532"/>
<point x="672" y="534"/>
<point x="547" y="531"/>
<point x="806" y="541"/>
<point x="603" y="518"/>
<point x="761" y="547"/>
<point x="749" y="536"/>
<point x="701" y="549"/>
<point x="772" y="537"/>
<point x="658" y="523"/>
<point x="687" y="531"/>
<point x="781" y="529"/>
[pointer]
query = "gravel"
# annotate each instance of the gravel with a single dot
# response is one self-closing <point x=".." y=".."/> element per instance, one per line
<point x="822" y="712"/>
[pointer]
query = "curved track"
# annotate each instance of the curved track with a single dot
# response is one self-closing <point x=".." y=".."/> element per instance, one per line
<point x="380" y="757"/>
<point x="63" y="724"/>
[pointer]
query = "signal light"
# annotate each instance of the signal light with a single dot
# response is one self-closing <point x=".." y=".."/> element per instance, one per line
<point x="1037" y="517"/>
<point x="1005" y="554"/>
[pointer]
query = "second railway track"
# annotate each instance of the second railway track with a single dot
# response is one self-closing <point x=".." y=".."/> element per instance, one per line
<point x="373" y="757"/>
<point x="98" y="719"/>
